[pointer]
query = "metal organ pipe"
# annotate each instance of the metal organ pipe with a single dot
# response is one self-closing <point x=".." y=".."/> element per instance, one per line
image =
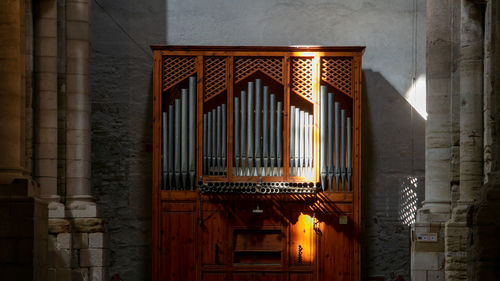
<point x="342" y="147"/>
<point x="279" y="142"/>
<point x="224" y="139"/>
<point x="297" y="141"/>
<point x="205" y="127"/>
<point x="348" y="157"/>
<point x="330" y="141"/>
<point x="170" y="164"/>
<point x="177" y="143"/>
<point x="243" y="146"/>
<point x="272" y="139"/>
<point x="250" y="130"/>
<point x="257" y="155"/>
<point x="209" y="142"/>
<point x="214" y="141"/>
<point x="292" y="139"/>
<point x="236" y="135"/>
<point x="192" y="131"/>
<point x="184" y="136"/>
<point x="323" y="132"/>
<point x="265" y="131"/>
<point x="302" y="124"/>
<point x="164" y="148"/>
<point x="311" y="146"/>
<point x="337" y="149"/>
<point x="219" y="144"/>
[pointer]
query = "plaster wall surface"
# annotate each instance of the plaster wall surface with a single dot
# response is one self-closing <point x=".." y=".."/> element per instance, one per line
<point x="121" y="89"/>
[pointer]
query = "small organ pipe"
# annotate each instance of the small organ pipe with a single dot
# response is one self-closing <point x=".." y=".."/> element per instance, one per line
<point x="184" y="136"/>
<point x="330" y="141"/>
<point x="224" y="139"/>
<point x="171" y="150"/>
<point x="257" y="155"/>
<point x="205" y="127"/>
<point x="265" y="131"/>
<point x="311" y="146"/>
<point x="337" y="143"/>
<point x="302" y="125"/>
<point x="219" y="140"/>
<point x="209" y="143"/>
<point x="243" y="144"/>
<point x="250" y="130"/>
<point x="297" y="140"/>
<point x="214" y="141"/>
<point x="178" y="143"/>
<point x="348" y="157"/>
<point x="342" y="147"/>
<point x="192" y="131"/>
<point x="272" y="140"/>
<point x="236" y="135"/>
<point x="306" y="145"/>
<point x="279" y="141"/>
<point x="165" y="148"/>
<point x="323" y="132"/>
<point x="292" y="139"/>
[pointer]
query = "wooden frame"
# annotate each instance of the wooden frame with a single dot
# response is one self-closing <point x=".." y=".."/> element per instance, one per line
<point x="338" y="200"/>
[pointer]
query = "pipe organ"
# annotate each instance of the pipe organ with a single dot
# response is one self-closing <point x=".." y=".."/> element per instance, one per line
<point x="256" y="163"/>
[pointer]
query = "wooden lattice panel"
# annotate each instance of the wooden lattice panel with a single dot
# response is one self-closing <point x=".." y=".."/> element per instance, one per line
<point x="302" y="77"/>
<point x="337" y="72"/>
<point x="215" y="76"/>
<point x="271" y="66"/>
<point x="176" y="69"/>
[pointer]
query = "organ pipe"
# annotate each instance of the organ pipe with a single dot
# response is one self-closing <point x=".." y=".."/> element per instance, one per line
<point x="219" y="140"/>
<point x="302" y="124"/>
<point x="297" y="140"/>
<point x="243" y="131"/>
<point x="192" y="131"/>
<point x="292" y="139"/>
<point x="265" y="131"/>
<point x="342" y="147"/>
<point x="224" y="139"/>
<point x="184" y="136"/>
<point x="209" y="142"/>
<point x="272" y="139"/>
<point x="330" y="141"/>
<point x="323" y="131"/>
<point x="257" y="155"/>
<point x="205" y="133"/>
<point x="337" y="149"/>
<point x="349" y="168"/>
<point x="170" y="164"/>
<point x="236" y="136"/>
<point x="250" y="129"/>
<point x="214" y="141"/>
<point x="177" y="135"/>
<point x="279" y="144"/>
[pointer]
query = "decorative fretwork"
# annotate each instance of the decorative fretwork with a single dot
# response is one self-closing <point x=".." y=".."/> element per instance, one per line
<point x="302" y="77"/>
<point x="176" y="69"/>
<point x="215" y="76"/>
<point x="271" y="66"/>
<point x="337" y="72"/>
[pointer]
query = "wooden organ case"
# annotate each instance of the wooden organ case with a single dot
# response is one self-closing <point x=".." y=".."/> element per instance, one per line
<point x="256" y="163"/>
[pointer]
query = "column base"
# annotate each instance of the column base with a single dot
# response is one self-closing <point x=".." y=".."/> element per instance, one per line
<point x="81" y="207"/>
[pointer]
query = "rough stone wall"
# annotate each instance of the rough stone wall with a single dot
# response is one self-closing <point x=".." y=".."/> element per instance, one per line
<point x="121" y="88"/>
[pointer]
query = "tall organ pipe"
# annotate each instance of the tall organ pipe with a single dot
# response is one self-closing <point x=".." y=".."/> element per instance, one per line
<point x="330" y="141"/>
<point x="297" y="140"/>
<point x="209" y="143"/>
<point x="236" y="136"/>
<point x="243" y="144"/>
<point x="349" y="168"/>
<point x="205" y="127"/>
<point x="337" y="148"/>
<point x="292" y="139"/>
<point x="165" y="148"/>
<point x="170" y="163"/>
<point x="272" y="139"/>
<point x="323" y="132"/>
<point x="306" y="145"/>
<point x="265" y="131"/>
<point x="250" y="130"/>
<point x="342" y="147"/>
<point x="279" y="142"/>
<point x="214" y="141"/>
<point x="178" y="143"/>
<point x="219" y="140"/>
<point x="257" y="155"/>
<point x="192" y="131"/>
<point x="302" y="125"/>
<point x="311" y="146"/>
<point x="224" y="139"/>
<point x="184" y="137"/>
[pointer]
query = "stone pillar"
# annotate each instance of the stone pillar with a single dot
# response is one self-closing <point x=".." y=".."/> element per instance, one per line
<point x="46" y="88"/>
<point x="427" y="258"/>
<point x="457" y="229"/>
<point x="79" y="200"/>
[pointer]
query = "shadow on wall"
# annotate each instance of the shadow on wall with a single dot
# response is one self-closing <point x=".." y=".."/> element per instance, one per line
<point x="393" y="149"/>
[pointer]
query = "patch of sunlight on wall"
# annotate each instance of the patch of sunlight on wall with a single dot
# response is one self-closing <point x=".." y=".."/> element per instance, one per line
<point x="408" y="200"/>
<point x="416" y="95"/>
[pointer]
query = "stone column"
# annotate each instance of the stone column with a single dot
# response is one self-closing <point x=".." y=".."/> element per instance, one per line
<point x="80" y="202"/>
<point x="46" y="88"/>
<point x="12" y="95"/>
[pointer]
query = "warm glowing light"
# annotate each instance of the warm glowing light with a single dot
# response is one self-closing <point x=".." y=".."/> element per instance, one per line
<point x="302" y="234"/>
<point x="416" y="96"/>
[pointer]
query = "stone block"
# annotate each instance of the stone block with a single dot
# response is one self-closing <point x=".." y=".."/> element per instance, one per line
<point x="434" y="275"/>
<point x="420" y="275"/>
<point x="64" y="240"/>
<point x="92" y="257"/>
<point x="80" y="274"/>
<point x="98" y="273"/>
<point x="80" y="241"/>
<point x="75" y="258"/>
<point x="60" y="259"/>
<point x="63" y="274"/>
<point x="425" y="261"/>
<point x="97" y="240"/>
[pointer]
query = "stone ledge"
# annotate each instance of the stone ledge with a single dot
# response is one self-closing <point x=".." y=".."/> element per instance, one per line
<point x="88" y="225"/>
<point x="57" y="226"/>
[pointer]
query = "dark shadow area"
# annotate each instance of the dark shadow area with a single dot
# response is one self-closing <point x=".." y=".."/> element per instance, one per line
<point x="393" y="144"/>
<point x="121" y="96"/>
